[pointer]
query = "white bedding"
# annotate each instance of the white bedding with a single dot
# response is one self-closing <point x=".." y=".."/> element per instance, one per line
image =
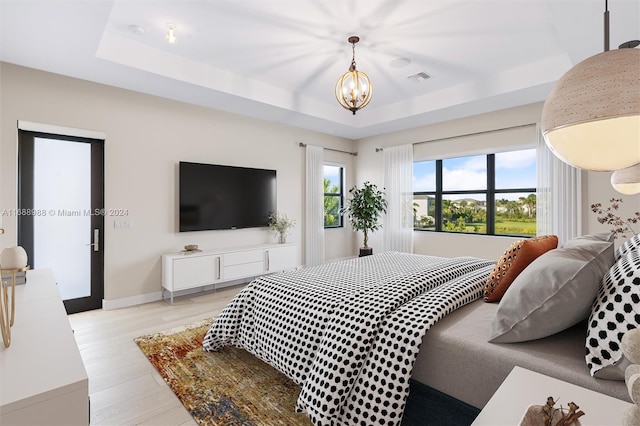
<point x="349" y="332"/>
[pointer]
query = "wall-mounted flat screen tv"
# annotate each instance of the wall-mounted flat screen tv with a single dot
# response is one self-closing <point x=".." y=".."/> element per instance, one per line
<point x="224" y="197"/>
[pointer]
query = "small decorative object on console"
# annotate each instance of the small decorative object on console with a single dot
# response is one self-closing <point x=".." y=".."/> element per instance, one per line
<point x="13" y="258"/>
<point x="280" y="224"/>
<point x="8" y="303"/>
<point x="191" y="248"/>
<point x="547" y="415"/>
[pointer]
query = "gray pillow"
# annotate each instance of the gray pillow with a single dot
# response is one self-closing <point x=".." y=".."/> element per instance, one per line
<point x="554" y="292"/>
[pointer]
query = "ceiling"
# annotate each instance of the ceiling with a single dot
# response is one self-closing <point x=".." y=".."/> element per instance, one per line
<point x="279" y="60"/>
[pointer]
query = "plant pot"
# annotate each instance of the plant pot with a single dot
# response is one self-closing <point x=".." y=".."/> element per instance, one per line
<point x="365" y="251"/>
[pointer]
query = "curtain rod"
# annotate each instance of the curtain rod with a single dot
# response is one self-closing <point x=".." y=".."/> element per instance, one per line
<point x="355" y="154"/>
<point x="470" y="134"/>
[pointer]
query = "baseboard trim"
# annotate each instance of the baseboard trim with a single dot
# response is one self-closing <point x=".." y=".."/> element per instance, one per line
<point x="141" y="299"/>
<point x="125" y="302"/>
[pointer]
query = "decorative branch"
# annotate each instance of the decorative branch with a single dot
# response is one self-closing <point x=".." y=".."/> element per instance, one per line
<point x="549" y="412"/>
<point x="620" y="226"/>
<point x="571" y="417"/>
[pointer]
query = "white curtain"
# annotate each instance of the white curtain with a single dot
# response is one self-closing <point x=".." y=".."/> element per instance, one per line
<point x="559" y="196"/>
<point x="314" y="217"/>
<point x="398" y="184"/>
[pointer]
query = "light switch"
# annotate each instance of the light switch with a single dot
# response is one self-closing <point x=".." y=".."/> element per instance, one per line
<point x="123" y="224"/>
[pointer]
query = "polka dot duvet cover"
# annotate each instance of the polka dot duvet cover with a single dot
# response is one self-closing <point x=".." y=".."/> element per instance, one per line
<point x="349" y="332"/>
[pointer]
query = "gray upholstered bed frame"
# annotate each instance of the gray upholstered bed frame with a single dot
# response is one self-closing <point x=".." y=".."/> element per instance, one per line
<point x="456" y="358"/>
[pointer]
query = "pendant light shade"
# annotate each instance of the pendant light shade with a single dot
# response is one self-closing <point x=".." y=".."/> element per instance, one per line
<point x="627" y="181"/>
<point x="591" y="118"/>
<point x="353" y="89"/>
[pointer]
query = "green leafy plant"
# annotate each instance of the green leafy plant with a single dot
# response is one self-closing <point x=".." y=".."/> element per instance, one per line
<point x="280" y="223"/>
<point x="364" y="209"/>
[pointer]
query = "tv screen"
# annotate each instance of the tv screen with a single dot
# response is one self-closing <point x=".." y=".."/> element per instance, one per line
<point x="224" y="197"/>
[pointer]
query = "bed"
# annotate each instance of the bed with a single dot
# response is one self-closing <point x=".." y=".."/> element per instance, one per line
<point x="457" y="359"/>
<point x="353" y="333"/>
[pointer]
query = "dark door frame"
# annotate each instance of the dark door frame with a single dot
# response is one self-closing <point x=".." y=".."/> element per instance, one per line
<point x="25" y="201"/>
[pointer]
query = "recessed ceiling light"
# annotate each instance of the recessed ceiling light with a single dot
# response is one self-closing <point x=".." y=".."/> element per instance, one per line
<point x="171" y="33"/>
<point x="400" y="63"/>
<point x="136" y="29"/>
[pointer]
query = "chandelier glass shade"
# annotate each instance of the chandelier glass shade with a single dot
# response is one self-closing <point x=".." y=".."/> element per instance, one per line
<point x="353" y="89"/>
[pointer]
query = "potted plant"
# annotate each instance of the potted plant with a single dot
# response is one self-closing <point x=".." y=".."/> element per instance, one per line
<point x="363" y="210"/>
<point x="280" y="224"/>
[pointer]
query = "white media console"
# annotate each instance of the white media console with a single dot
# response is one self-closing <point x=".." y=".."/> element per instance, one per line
<point x="186" y="270"/>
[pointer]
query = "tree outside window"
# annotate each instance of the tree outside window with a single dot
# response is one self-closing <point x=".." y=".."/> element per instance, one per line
<point x="491" y="194"/>
<point x="333" y="195"/>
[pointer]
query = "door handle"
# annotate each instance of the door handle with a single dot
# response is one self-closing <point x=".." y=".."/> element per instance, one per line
<point x="96" y="240"/>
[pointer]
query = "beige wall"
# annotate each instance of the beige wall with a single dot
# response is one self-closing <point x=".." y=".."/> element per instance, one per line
<point x="596" y="186"/>
<point x="146" y="136"/>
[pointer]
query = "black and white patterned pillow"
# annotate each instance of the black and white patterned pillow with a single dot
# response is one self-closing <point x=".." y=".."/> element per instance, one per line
<point x="632" y="243"/>
<point x="615" y="311"/>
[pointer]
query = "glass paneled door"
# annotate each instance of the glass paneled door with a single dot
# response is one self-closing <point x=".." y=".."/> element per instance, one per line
<point x="61" y="195"/>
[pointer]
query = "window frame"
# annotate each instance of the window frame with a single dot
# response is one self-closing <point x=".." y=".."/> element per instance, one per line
<point x="490" y="196"/>
<point x="340" y="194"/>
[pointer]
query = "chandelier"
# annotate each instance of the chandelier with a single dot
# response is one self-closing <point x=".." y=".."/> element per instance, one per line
<point x="353" y="89"/>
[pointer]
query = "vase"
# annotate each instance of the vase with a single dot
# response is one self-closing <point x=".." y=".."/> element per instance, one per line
<point x="282" y="238"/>
<point x="13" y="258"/>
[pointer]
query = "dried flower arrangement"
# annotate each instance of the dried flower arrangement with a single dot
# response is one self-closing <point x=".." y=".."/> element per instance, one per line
<point x="620" y="226"/>
<point x="280" y="224"/>
<point x="548" y="415"/>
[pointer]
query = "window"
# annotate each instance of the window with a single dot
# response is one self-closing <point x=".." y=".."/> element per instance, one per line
<point x="493" y="194"/>
<point x="333" y="195"/>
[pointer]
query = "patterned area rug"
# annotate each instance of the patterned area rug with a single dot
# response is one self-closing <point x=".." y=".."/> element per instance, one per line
<point x="230" y="387"/>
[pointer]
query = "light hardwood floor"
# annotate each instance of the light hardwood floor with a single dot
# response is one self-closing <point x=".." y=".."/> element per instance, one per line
<point x="124" y="387"/>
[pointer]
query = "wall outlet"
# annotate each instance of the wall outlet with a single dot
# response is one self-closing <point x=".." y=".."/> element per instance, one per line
<point x="123" y="224"/>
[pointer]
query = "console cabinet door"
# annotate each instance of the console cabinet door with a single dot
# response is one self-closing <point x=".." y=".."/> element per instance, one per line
<point x="280" y="258"/>
<point x="195" y="271"/>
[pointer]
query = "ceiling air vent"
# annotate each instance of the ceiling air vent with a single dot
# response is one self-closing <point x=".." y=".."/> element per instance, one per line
<point x="417" y="78"/>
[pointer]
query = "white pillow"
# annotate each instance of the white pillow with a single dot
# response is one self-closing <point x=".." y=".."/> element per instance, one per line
<point x="615" y="311"/>
<point x="632" y="243"/>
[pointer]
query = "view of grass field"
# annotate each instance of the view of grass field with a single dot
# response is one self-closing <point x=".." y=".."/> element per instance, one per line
<point x="511" y="217"/>
<point x="463" y="192"/>
<point x="527" y="228"/>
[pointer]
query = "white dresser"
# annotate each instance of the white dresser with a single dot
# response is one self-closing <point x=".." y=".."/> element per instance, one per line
<point x="42" y="378"/>
<point x="181" y="271"/>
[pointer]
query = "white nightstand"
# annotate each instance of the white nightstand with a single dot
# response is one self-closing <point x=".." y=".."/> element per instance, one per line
<point x="523" y="388"/>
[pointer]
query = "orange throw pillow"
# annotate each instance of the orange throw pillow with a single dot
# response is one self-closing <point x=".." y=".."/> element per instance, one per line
<point x="517" y="257"/>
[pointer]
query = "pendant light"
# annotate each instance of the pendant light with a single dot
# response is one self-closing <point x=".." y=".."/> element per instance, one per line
<point x="591" y="118"/>
<point x="353" y="89"/>
<point x="627" y="181"/>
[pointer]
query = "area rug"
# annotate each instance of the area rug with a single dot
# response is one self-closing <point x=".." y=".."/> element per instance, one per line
<point x="230" y="387"/>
